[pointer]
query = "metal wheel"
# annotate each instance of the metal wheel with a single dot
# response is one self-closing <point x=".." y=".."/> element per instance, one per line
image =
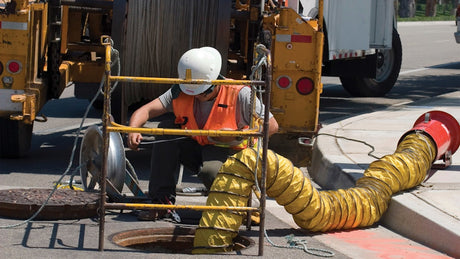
<point x="387" y="72"/>
<point x="91" y="159"/>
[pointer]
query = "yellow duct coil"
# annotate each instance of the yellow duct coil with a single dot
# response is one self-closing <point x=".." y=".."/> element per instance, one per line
<point x="313" y="210"/>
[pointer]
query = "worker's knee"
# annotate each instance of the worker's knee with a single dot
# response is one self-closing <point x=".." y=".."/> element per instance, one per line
<point x="209" y="172"/>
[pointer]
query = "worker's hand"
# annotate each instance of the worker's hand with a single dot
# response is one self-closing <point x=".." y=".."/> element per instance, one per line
<point x="134" y="139"/>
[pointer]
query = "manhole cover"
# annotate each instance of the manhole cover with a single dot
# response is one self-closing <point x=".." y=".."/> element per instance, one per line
<point x="63" y="204"/>
<point x="177" y="240"/>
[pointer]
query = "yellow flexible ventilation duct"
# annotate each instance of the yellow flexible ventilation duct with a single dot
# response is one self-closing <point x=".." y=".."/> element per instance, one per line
<point x="315" y="210"/>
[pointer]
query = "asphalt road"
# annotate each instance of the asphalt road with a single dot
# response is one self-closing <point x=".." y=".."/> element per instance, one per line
<point x="430" y="67"/>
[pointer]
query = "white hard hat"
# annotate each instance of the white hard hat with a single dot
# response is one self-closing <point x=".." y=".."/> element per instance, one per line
<point x="204" y="63"/>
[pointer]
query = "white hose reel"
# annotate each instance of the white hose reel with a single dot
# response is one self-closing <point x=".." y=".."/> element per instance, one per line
<point x="91" y="161"/>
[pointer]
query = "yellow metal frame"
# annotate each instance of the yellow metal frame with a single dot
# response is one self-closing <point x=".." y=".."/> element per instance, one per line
<point x="184" y="132"/>
<point x="296" y="59"/>
<point x="110" y="126"/>
<point x="28" y="47"/>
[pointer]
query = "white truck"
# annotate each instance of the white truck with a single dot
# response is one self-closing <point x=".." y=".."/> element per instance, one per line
<point x="362" y="46"/>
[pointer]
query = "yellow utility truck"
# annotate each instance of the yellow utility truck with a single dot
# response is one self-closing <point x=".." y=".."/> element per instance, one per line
<point x="49" y="45"/>
<point x="45" y="45"/>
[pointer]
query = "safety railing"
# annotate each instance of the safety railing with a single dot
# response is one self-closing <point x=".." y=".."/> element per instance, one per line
<point x="109" y="126"/>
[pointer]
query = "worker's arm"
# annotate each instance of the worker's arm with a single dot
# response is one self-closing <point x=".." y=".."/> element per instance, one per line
<point x="272" y="126"/>
<point x="150" y="110"/>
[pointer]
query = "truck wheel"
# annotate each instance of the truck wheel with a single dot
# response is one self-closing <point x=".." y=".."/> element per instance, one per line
<point x="388" y="66"/>
<point x="15" y="138"/>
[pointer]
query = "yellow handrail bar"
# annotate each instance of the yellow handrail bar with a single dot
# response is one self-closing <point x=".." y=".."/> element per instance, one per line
<point x="185" y="132"/>
<point x="173" y="206"/>
<point x="162" y="80"/>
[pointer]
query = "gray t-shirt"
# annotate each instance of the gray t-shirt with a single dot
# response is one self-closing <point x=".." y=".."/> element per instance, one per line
<point x="202" y="109"/>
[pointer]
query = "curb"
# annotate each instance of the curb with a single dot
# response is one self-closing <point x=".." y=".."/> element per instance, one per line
<point x="413" y="218"/>
<point x="334" y="167"/>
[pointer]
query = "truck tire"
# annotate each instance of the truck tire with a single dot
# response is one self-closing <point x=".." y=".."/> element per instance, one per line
<point x="388" y="66"/>
<point x="15" y="138"/>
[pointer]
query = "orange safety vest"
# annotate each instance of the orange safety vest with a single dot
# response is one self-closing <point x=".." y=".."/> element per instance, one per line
<point x="222" y="115"/>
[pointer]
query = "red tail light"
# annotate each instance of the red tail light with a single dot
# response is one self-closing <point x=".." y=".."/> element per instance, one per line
<point x="283" y="82"/>
<point x="305" y="86"/>
<point x="14" y="66"/>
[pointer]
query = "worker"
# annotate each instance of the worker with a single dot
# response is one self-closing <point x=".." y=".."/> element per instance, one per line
<point x="214" y="107"/>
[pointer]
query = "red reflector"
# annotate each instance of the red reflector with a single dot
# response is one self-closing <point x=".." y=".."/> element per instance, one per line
<point x="13" y="66"/>
<point x="283" y="82"/>
<point x="305" y="86"/>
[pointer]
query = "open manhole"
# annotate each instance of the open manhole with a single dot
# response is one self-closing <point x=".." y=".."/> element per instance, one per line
<point x="176" y="240"/>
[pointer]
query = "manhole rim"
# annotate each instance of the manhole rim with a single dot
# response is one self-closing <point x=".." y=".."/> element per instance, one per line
<point x="189" y="231"/>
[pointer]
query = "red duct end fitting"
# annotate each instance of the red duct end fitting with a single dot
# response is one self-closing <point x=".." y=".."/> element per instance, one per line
<point x="442" y="128"/>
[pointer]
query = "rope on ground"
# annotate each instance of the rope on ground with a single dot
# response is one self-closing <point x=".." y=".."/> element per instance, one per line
<point x="355" y="140"/>
<point x="295" y="243"/>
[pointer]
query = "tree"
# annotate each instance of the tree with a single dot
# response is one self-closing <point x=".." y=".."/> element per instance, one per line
<point x="406" y="8"/>
<point x="430" y="9"/>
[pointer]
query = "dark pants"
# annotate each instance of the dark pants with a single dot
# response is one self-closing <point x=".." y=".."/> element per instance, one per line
<point x="167" y="157"/>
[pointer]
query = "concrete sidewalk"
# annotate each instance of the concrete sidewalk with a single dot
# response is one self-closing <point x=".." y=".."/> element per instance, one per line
<point x="428" y="214"/>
